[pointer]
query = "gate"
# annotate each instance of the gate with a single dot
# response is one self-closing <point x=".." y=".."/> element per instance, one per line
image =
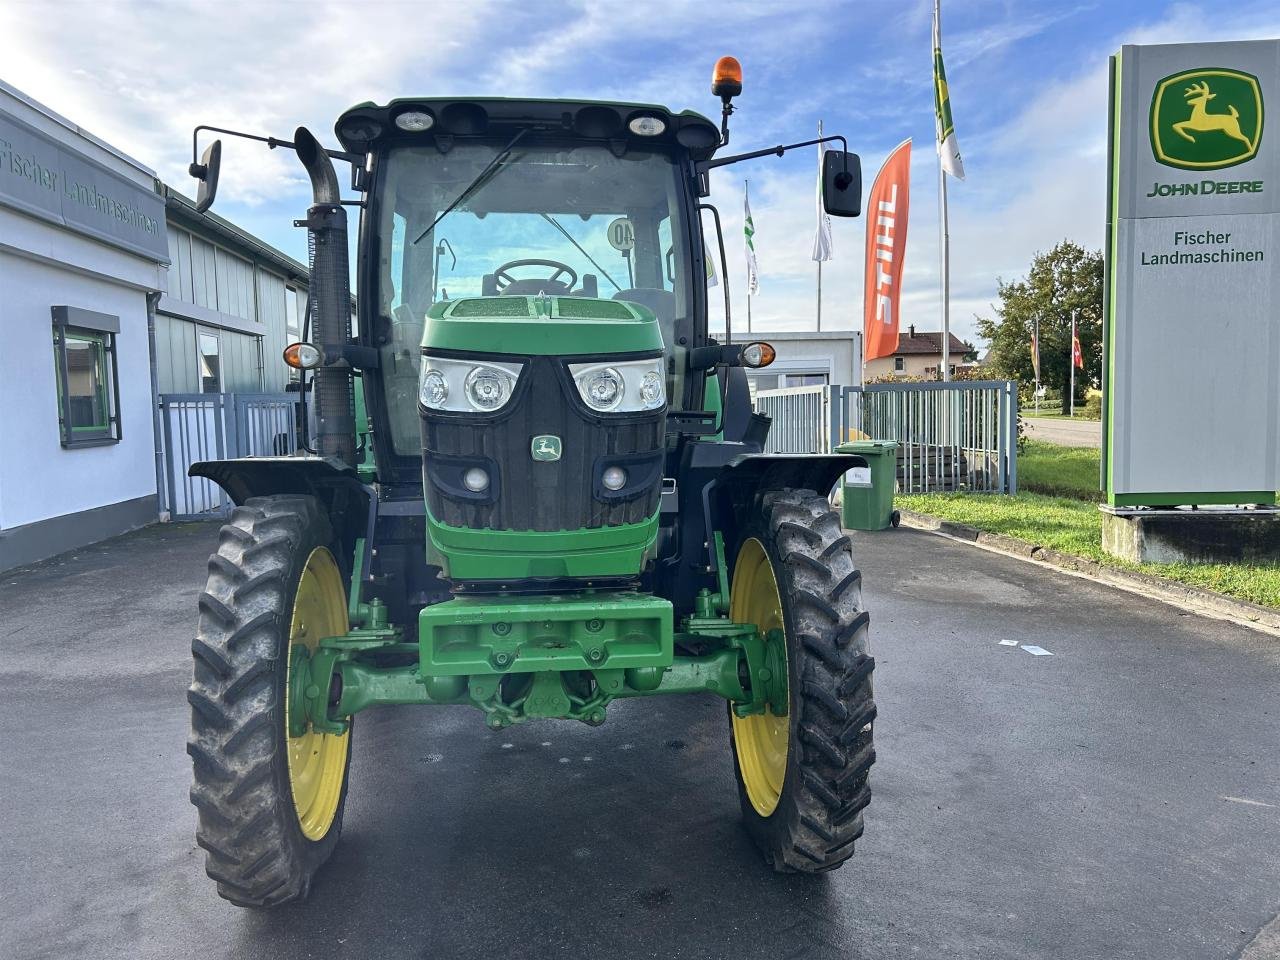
<point x="952" y="436"/>
<point x="219" y="426"/>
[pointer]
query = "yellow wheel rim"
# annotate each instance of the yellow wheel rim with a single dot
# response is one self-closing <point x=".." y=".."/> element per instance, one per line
<point x="760" y="741"/>
<point x="317" y="761"/>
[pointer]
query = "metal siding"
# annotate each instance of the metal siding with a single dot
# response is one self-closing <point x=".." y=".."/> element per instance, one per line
<point x="173" y="275"/>
<point x="274" y="319"/>
<point x="203" y="273"/>
<point x="239" y="363"/>
<point x="176" y="355"/>
<point x="235" y="285"/>
<point x="184" y="257"/>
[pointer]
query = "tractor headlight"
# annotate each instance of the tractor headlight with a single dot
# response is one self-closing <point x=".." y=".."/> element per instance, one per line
<point x="488" y="388"/>
<point x="601" y="388"/>
<point x="433" y="390"/>
<point x="466" y="386"/>
<point x="622" y="386"/>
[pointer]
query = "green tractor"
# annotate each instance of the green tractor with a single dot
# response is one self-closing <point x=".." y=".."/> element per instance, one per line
<point x="561" y="498"/>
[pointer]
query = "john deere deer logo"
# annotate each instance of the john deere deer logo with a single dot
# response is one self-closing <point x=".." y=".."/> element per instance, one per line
<point x="1206" y="119"/>
<point x="545" y="447"/>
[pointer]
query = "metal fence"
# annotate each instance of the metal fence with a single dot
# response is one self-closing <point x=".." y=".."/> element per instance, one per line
<point x="952" y="436"/>
<point x="218" y="426"/>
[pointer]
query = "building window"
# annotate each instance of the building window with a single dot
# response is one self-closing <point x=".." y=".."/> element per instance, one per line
<point x="805" y="380"/>
<point x="210" y="361"/>
<point x="899" y="364"/>
<point x="84" y="349"/>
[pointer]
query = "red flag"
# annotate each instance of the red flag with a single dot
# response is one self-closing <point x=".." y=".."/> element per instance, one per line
<point x="1077" y="356"/>
<point x="887" y="207"/>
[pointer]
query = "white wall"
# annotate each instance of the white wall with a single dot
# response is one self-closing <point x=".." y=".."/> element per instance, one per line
<point x="42" y="265"/>
<point x="38" y="478"/>
<point x="834" y="353"/>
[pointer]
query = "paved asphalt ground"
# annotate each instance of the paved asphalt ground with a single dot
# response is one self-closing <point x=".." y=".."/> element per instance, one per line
<point x="1065" y="433"/>
<point x="1120" y="798"/>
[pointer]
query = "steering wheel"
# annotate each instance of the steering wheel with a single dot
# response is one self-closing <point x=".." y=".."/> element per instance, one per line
<point x="503" y="278"/>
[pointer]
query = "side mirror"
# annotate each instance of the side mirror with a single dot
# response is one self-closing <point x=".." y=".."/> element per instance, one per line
<point x="841" y="183"/>
<point x="206" y="171"/>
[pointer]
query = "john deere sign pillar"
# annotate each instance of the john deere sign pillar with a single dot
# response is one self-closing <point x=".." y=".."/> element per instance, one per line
<point x="1192" y="398"/>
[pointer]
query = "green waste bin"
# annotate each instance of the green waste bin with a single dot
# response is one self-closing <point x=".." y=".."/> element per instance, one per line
<point x="867" y="496"/>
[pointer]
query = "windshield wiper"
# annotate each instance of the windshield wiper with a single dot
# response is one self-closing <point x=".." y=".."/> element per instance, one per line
<point x="490" y="170"/>
<point x="568" y="236"/>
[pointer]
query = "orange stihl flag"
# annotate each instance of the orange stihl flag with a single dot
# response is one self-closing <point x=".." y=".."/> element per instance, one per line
<point x="886" y="248"/>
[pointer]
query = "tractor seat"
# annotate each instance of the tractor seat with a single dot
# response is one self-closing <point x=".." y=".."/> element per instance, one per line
<point x="662" y="303"/>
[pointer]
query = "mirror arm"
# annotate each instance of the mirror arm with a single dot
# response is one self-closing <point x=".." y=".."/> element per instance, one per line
<point x="197" y="169"/>
<point x="704" y="165"/>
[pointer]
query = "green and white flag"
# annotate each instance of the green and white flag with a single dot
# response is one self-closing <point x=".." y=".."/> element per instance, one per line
<point x="749" y="230"/>
<point x="948" y="149"/>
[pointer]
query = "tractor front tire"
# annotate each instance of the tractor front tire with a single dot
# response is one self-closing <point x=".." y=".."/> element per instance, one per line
<point x="802" y="776"/>
<point x="269" y="805"/>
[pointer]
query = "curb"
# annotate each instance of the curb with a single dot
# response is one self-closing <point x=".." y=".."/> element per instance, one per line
<point x="1194" y="599"/>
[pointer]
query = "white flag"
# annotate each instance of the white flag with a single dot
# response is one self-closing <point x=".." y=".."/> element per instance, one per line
<point x="948" y="148"/>
<point x="749" y="231"/>
<point x="713" y="278"/>
<point x="822" y="239"/>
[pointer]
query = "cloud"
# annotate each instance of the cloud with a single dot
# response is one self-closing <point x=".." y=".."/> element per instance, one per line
<point x="1028" y="85"/>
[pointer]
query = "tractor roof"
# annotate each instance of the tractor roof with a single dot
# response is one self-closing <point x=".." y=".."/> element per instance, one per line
<point x="367" y="122"/>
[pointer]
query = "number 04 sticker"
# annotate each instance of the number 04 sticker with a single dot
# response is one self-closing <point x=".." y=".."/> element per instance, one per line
<point x="622" y="236"/>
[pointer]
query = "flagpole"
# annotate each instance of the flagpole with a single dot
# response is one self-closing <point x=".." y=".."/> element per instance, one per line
<point x="944" y="230"/>
<point x="746" y="196"/>
<point x="945" y="270"/>
<point x="819" y="295"/>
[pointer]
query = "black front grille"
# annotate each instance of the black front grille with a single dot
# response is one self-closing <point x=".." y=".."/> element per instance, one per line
<point x="541" y="495"/>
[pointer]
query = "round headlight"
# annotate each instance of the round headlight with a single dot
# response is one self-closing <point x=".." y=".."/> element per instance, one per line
<point x="476" y="480"/>
<point x="614" y="478"/>
<point x="646" y="126"/>
<point x="487" y="388"/>
<point x="414" y="121"/>
<point x="652" y="394"/>
<point x="602" y="389"/>
<point x="434" y="389"/>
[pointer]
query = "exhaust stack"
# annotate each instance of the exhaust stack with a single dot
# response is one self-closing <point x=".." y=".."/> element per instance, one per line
<point x="331" y="302"/>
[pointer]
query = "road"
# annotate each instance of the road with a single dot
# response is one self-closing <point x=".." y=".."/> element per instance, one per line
<point x="1065" y="433"/>
<point x="1119" y="799"/>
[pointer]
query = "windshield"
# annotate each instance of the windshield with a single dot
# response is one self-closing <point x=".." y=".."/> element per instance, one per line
<point x="565" y="220"/>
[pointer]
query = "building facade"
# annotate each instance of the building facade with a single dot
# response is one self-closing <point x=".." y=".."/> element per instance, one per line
<point x="113" y="291"/>
<point x="82" y="254"/>
<point x="229" y="307"/>
<point x="808" y="359"/>
<point x="919" y="356"/>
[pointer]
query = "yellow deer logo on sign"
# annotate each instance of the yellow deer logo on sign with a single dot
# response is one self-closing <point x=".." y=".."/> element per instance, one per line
<point x="1202" y="121"/>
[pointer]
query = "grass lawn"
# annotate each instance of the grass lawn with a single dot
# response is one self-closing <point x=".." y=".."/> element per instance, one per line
<point x="1075" y="526"/>
<point x="1059" y="471"/>
<point x="1052" y="411"/>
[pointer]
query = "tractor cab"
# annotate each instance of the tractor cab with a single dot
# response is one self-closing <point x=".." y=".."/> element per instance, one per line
<point x="586" y="210"/>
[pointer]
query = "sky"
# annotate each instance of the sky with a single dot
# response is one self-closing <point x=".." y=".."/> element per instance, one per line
<point x="1027" y="80"/>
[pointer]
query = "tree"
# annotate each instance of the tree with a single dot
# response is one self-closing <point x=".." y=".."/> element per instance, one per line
<point x="1068" y="278"/>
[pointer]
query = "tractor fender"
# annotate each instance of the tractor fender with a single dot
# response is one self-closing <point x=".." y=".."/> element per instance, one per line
<point x="735" y="494"/>
<point x="351" y="505"/>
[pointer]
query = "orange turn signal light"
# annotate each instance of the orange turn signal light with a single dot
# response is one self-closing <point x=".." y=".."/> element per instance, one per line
<point x="758" y="354"/>
<point x="302" y="356"/>
<point x="726" y="78"/>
